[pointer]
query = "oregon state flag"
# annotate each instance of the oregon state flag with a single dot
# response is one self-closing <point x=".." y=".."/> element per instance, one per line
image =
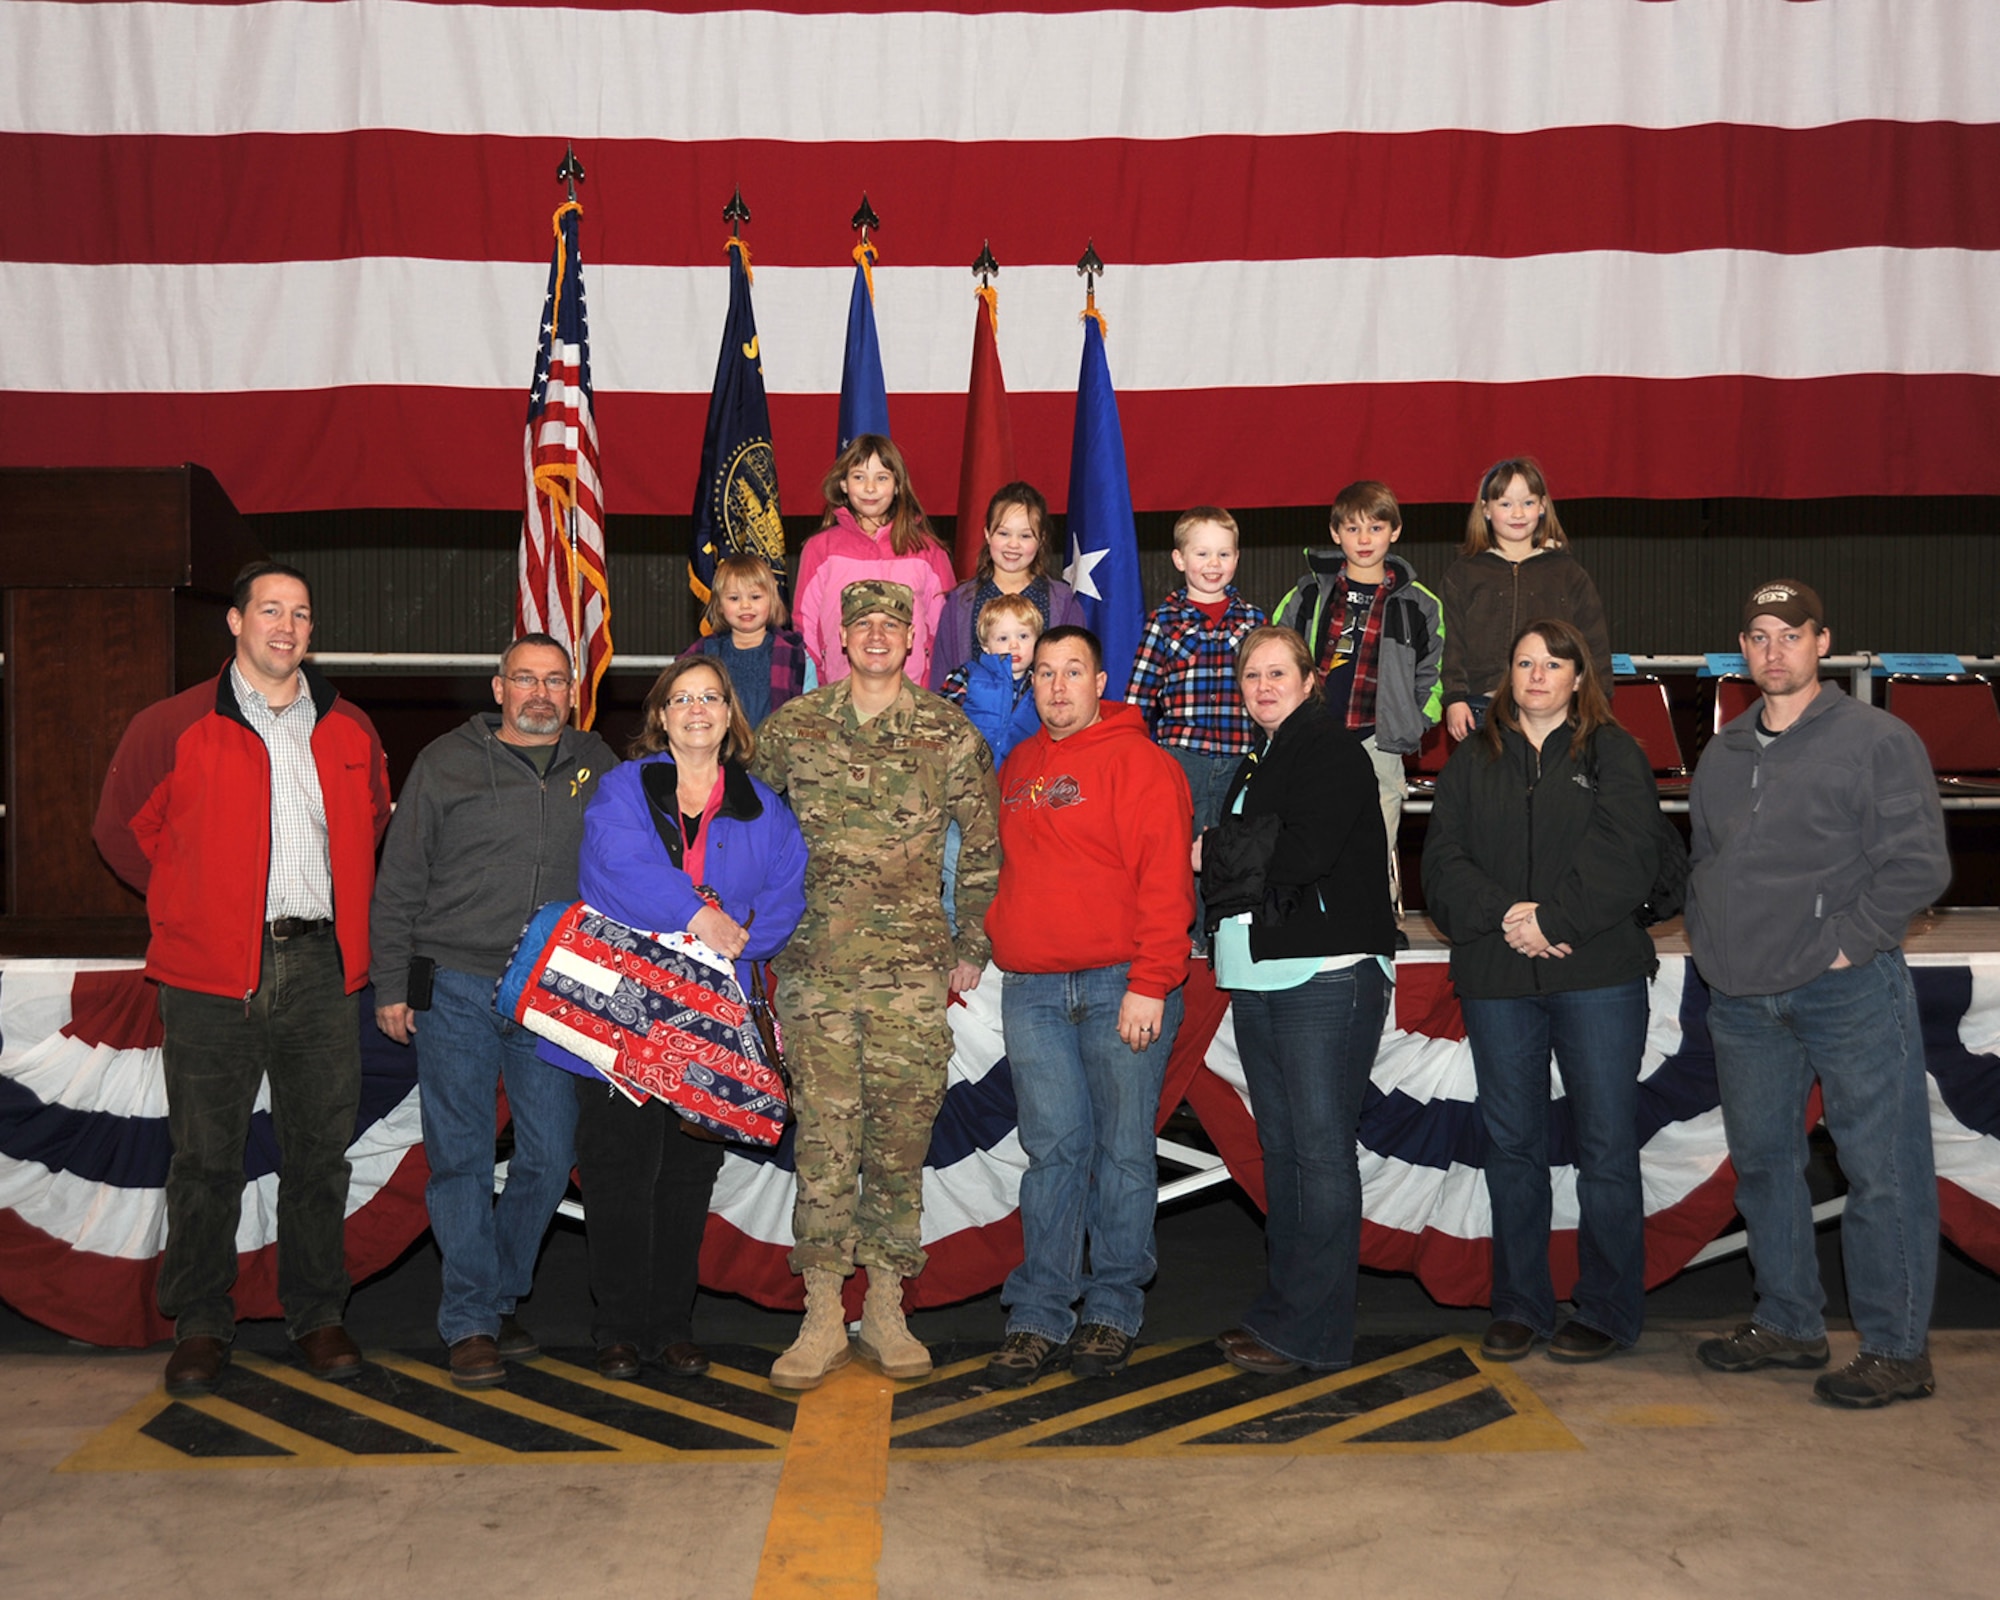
<point x="736" y="501"/>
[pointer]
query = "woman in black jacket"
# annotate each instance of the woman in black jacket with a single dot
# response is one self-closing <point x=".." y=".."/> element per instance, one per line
<point x="1543" y="843"/>
<point x="1297" y="879"/>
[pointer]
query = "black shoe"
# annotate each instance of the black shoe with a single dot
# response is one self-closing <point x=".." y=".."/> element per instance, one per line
<point x="1402" y="940"/>
<point x="1099" y="1351"/>
<point x="1870" y="1381"/>
<point x="1506" y="1340"/>
<point x="514" y="1342"/>
<point x="1023" y="1358"/>
<point x="618" y="1361"/>
<point x="1576" y="1343"/>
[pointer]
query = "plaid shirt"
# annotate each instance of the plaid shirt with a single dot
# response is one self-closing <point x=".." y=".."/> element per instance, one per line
<point x="300" y="883"/>
<point x="1184" y="676"/>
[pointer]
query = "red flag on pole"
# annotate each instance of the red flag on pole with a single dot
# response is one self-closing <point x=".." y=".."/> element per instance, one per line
<point x="988" y="461"/>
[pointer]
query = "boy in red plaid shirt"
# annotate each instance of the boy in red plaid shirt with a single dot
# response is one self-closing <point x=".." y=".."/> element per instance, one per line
<point x="1184" y="676"/>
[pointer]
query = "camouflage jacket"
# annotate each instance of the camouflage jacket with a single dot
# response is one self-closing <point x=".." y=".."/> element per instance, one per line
<point x="873" y="800"/>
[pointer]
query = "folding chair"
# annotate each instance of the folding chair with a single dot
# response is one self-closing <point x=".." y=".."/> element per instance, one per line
<point x="1641" y="705"/>
<point x="1959" y="723"/>
<point x="1421" y="770"/>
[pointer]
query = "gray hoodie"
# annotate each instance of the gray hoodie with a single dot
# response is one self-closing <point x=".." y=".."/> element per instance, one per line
<point x="479" y="840"/>
<point x="1825" y="842"/>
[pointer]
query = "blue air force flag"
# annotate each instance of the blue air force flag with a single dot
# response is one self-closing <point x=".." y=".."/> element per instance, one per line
<point x="1103" y="543"/>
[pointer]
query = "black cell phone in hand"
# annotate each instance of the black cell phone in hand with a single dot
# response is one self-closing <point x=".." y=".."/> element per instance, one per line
<point x="423" y="973"/>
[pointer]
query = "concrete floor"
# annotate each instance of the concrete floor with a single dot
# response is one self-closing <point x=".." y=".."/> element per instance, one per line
<point x="1680" y="1482"/>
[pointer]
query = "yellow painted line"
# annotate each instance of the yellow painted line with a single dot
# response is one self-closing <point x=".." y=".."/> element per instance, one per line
<point x="825" y="1534"/>
<point x="631" y="1394"/>
<point x="994" y="1399"/>
<point x="1661" y="1417"/>
<point x="121" y="1447"/>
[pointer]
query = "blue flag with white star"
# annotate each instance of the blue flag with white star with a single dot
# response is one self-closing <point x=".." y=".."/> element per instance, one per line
<point x="864" y="394"/>
<point x="1103" y="543"/>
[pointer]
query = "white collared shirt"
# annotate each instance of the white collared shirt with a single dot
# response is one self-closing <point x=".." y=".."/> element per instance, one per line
<point x="301" y="875"/>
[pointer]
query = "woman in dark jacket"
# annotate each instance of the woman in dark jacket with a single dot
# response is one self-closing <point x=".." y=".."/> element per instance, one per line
<point x="1543" y="843"/>
<point x="680" y="837"/>
<point x="1297" y="879"/>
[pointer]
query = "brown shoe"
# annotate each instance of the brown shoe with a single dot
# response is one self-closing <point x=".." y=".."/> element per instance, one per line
<point x="1251" y="1354"/>
<point x="195" y="1365"/>
<point x="1506" y="1340"/>
<point x="330" y="1354"/>
<point x="618" y="1361"/>
<point x="684" y="1360"/>
<point x="475" y="1362"/>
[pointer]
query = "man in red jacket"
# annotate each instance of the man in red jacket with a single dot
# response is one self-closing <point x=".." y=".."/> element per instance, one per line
<point x="247" y="811"/>
<point x="1090" y="931"/>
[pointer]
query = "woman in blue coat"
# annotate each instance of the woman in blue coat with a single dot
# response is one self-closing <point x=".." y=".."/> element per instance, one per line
<point x="680" y="838"/>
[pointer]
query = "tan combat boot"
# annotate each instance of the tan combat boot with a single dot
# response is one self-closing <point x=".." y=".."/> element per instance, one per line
<point x="886" y="1339"/>
<point x="821" y="1346"/>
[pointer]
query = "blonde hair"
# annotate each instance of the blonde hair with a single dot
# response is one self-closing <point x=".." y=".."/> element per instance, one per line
<point x="1549" y="533"/>
<point x="909" y="532"/>
<point x="750" y="572"/>
<point x="1003" y="606"/>
<point x="1295" y="646"/>
<point x="1194" y="517"/>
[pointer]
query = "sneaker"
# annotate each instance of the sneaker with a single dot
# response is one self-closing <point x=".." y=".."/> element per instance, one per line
<point x="1751" y="1347"/>
<point x="1869" y="1381"/>
<point x="1023" y="1358"/>
<point x="1099" y="1351"/>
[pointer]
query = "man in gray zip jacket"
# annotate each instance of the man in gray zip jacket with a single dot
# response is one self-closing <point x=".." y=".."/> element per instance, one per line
<point x="486" y="829"/>
<point x="1817" y="835"/>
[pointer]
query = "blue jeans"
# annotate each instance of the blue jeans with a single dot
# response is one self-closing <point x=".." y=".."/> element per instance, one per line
<point x="1306" y="1055"/>
<point x="1088" y="1107"/>
<point x="465" y="1051"/>
<point x="1208" y="786"/>
<point x="1856" y="1030"/>
<point x="1599" y="1040"/>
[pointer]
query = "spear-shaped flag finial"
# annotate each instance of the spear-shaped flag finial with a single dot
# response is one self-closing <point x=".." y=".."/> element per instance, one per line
<point x="1090" y="267"/>
<point x="736" y="213"/>
<point x="571" y="170"/>
<point x="865" y="218"/>
<point x="986" y="267"/>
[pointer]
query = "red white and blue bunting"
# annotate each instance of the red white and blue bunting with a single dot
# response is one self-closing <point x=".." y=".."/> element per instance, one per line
<point x="84" y="1147"/>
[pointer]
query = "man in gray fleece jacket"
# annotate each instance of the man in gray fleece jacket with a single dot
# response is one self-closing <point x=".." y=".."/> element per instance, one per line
<point x="487" y="828"/>
<point x="1817" y="836"/>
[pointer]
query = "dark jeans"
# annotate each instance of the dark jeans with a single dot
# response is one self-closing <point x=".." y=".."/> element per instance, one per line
<point x="302" y="1032"/>
<point x="646" y="1188"/>
<point x="1599" y="1038"/>
<point x="1306" y="1056"/>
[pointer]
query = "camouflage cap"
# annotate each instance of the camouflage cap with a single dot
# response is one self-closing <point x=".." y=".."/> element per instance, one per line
<point x="861" y="597"/>
<point x="1786" y="599"/>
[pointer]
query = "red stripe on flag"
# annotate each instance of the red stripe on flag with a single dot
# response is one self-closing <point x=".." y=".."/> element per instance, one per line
<point x="1442" y="192"/>
<point x="1860" y="434"/>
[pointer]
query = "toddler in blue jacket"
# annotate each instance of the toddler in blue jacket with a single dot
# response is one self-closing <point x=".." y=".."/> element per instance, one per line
<point x="993" y="687"/>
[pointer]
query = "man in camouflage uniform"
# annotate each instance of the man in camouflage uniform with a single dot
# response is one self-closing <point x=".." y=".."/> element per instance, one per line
<point x="876" y="771"/>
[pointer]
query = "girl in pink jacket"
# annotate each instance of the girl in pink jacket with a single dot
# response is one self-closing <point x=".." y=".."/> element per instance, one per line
<point x="873" y="528"/>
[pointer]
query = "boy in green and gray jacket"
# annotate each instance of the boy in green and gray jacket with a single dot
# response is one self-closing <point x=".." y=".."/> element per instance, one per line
<point x="1378" y="637"/>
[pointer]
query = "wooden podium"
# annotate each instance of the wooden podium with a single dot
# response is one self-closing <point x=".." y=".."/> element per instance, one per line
<point x="113" y="589"/>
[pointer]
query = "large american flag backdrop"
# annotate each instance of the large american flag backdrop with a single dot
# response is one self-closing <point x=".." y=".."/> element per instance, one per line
<point x="1678" y="247"/>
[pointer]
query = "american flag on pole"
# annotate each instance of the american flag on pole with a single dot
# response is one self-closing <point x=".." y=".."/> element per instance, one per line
<point x="1675" y="247"/>
<point x="563" y="590"/>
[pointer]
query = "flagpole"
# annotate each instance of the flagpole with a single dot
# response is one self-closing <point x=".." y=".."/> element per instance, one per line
<point x="571" y="173"/>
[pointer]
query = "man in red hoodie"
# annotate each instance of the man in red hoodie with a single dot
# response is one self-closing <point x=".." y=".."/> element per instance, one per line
<point x="247" y="810"/>
<point x="1090" y="931"/>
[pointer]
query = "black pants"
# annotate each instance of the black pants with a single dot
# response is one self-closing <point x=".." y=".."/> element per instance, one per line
<point x="646" y="1188"/>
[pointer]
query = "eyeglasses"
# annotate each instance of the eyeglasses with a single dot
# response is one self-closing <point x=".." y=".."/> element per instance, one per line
<point x="708" y="697"/>
<point x="555" y="682"/>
